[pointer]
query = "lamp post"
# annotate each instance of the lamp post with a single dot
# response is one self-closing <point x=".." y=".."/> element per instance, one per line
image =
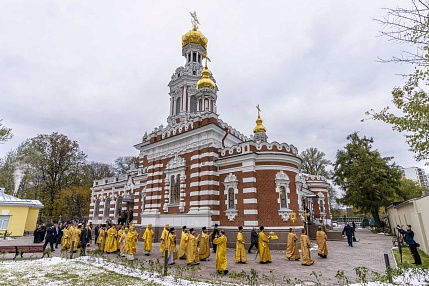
<point x="306" y="213"/>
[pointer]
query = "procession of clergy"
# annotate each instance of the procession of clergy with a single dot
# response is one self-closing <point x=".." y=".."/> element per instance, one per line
<point x="110" y="240"/>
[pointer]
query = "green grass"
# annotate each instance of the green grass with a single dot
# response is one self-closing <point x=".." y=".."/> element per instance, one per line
<point x="407" y="258"/>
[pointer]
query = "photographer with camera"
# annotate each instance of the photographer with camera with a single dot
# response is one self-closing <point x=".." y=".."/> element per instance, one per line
<point x="409" y="239"/>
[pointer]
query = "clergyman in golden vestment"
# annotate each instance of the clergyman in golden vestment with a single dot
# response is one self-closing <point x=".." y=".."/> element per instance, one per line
<point x="263" y="248"/>
<point x="164" y="238"/>
<point x="221" y="259"/>
<point x="205" y="245"/>
<point x="183" y="246"/>
<point x="148" y="239"/>
<point x="305" y="249"/>
<point x="321" y="237"/>
<point x="292" y="251"/>
<point x="192" y="256"/>
<point x="240" y="250"/>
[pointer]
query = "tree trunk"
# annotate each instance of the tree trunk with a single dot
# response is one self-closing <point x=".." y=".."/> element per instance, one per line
<point x="376" y="217"/>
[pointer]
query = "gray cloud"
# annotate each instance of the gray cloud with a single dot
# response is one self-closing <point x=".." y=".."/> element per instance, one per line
<point x="98" y="71"/>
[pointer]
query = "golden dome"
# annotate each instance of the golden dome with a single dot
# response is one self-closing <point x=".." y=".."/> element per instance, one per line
<point x="194" y="36"/>
<point x="206" y="81"/>
<point x="259" y="127"/>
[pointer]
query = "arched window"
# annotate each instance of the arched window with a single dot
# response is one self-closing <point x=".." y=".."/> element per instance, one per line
<point x="201" y="105"/>
<point x="118" y="206"/>
<point x="96" y="209"/>
<point x="106" y="208"/>
<point x="193" y="103"/>
<point x="178" y="105"/>
<point x="211" y="106"/>
<point x="231" y="198"/>
<point x="283" y="198"/>
<point x="175" y="190"/>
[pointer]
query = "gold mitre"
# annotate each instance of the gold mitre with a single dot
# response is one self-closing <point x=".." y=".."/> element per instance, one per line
<point x="273" y="236"/>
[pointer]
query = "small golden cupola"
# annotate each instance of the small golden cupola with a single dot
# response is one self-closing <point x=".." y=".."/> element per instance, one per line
<point x="194" y="36"/>
<point x="259" y="127"/>
<point x="206" y="81"/>
<point x="259" y="130"/>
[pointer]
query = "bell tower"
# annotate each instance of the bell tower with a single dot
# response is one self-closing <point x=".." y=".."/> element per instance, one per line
<point x="184" y="98"/>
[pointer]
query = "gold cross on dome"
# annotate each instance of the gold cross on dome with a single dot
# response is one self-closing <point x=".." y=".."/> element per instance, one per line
<point x="259" y="110"/>
<point x="194" y="20"/>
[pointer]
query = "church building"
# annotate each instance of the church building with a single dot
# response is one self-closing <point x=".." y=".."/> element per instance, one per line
<point x="200" y="171"/>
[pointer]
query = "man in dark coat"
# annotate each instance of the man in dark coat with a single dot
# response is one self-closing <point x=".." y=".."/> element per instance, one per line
<point x="349" y="232"/>
<point x="123" y="217"/>
<point x="38" y="234"/>
<point x="43" y="230"/>
<point x="96" y="232"/>
<point x="49" y="238"/>
<point x="57" y="236"/>
<point x="253" y="240"/>
<point x="215" y="234"/>
<point x="409" y="239"/>
<point x="85" y="237"/>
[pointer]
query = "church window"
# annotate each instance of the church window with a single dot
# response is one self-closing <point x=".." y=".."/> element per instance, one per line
<point x="194" y="56"/>
<point x="199" y="58"/>
<point x="231" y="198"/>
<point x="178" y="101"/>
<point x="96" y="209"/>
<point x="211" y="106"/>
<point x="175" y="189"/>
<point x="283" y="197"/>
<point x="194" y="72"/>
<point x="106" y="211"/>
<point x="321" y="202"/>
<point x="189" y="57"/>
<point x="193" y="103"/>
<point x="201" y="105"/>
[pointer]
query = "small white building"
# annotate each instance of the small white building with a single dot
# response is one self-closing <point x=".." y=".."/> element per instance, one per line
<point x="414" y="212"/>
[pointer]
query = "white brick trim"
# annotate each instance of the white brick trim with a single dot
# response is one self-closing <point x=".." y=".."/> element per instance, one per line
<point x="203" y="193"/>
<point x="204" y="183"/>
<point x="156" y="197"/>
<point x="204" y="173"/>
<point x="249" y="180"/>
<point x="249" y="190"/>
<point x="250" y="212"/>
<point x="202" y="164"/>
<point x="203" y="155"/>
<point x="155" y="166"/>
<point x="250" y="201"/>
<point x="204" y="202"/>
<point x="250" y="223"/>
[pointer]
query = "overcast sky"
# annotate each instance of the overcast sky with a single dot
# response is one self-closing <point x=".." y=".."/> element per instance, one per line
<point x="97" y="71"/>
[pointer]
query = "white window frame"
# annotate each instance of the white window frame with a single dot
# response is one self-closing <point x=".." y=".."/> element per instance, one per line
<point x="4" y="222"/>
<point x="176" y="166"/>
<point x="231" y="182"/>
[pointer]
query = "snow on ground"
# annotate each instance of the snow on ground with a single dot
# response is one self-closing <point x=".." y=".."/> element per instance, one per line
<point x="80" y="271"/>
<point x="98" y="271"/>
<point x="413" y="276"/>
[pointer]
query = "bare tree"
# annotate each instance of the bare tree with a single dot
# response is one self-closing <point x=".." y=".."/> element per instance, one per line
<point x="409" y="26"/>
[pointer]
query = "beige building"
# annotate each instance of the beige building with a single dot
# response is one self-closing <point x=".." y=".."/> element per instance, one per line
<point x="17" y="216"/>
<point x="414" y="212"/>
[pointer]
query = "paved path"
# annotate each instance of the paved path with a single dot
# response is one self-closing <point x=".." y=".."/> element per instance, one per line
<point x="368" y="252"/>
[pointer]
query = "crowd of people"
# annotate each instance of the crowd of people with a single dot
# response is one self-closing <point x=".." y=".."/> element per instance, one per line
<point x="193" y="247"/>
<point x="188" y="246"/>
<point x="67" y="234"/>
